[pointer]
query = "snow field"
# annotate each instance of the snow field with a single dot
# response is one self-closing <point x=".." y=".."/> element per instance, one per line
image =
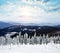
<point x="49" y="48"/>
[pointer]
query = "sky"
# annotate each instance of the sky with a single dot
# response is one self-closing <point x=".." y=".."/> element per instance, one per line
<point x="30" y="11"/>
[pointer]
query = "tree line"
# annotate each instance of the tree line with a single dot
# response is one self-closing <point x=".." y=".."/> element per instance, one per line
<point x="26" y="39"/>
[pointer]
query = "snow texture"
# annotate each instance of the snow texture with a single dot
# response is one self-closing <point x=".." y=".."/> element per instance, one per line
<point x="49" y="48"/>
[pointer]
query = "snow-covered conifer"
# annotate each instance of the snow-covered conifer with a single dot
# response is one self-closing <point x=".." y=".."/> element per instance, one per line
<point x="25" y="38"/>
<point x="8" y="40"/>
<point x="28" y="40"/>
<point x="32" y="40"/>
<point x="47" y="39"/>
<point x="2" y="40"/>
<point x="35" y="39"/>
<point x="21" y="39"/>
<point x="17" y="39"/>
<point x="40" y="39"/>
<point x="43" y="39"/>
<point x="14" y="41"/>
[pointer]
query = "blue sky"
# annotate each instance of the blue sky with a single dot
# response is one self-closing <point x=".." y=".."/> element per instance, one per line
<point x="30" y="11"/>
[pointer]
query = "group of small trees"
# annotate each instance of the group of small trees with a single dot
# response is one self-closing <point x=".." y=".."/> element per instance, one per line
<point x="24" y="39"/>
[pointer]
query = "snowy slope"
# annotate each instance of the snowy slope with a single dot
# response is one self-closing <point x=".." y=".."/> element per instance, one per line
<point x="50" y="48"/>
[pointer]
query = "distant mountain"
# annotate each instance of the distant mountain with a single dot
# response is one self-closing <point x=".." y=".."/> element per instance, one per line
<point x="30" y="29"/>
<point x="4" y="24"/>
<point x="27" y="28"/>
<point x="58" y="26"/>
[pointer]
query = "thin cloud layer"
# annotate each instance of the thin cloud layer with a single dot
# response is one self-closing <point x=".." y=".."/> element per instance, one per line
<point x="30" y="11"/>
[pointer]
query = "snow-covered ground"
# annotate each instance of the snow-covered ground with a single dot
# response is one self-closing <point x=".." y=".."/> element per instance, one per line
<point x="50" y="48"/>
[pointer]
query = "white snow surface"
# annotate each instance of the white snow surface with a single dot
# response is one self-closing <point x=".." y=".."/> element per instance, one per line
<point x="49" y="48"/>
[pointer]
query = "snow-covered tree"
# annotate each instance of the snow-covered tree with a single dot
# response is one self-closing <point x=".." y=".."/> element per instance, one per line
<point x="8" y="39"/>
<point x="28" y="40"/>
<point x="25" y="38"/>
<point x="32" y="40"/>
<point x="47" y="39"/>
<point x="21" y="39"/>
<point x="2" y="40"/>
<point x="35" y="39"/>
<point x="40" y="39"/>
<point x="17" y="39"/>
<point x="57" y="39"/>
<point x="14" y="41"/>
<point x="51" y="40"/>
<point x="43" y="39"/>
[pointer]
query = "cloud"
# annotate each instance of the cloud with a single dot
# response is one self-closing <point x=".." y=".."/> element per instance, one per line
<point x="46" y="0"/>
<point x="29" y="11"/>
<point x="43" y="4"/>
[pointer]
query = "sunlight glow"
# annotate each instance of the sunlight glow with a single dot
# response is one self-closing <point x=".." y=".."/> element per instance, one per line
<point x="26" y="11"/>
<point x="26" y="14"/>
